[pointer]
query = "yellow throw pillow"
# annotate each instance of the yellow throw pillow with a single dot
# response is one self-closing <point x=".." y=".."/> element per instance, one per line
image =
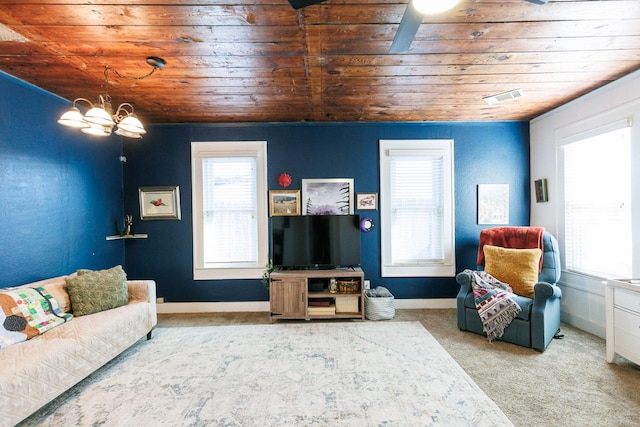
<point x="516" y="267"/>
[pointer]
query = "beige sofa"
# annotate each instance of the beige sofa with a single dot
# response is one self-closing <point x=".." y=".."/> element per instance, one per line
<point x="34" y="372"/>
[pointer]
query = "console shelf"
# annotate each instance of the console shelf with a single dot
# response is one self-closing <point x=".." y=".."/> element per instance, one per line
<point x="304" y="294"/>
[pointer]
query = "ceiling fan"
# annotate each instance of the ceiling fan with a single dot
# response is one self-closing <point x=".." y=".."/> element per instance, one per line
<point x="299" y="4"/>
<point x="412" y="18"/>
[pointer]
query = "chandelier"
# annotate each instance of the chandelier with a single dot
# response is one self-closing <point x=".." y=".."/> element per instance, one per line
<point x="101" y="118"/>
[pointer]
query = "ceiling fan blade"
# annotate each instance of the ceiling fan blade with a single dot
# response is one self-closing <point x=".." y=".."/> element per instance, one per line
<point x="407" y="30"/>
<point x="299" y="4"/>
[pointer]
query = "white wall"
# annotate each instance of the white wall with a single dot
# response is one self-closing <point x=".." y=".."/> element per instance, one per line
<point x="583" y="297"/>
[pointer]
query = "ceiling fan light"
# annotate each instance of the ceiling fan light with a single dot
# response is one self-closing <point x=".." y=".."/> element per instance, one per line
<point x="433" y="7"/>
<point x="73" y="118"/>
<point x="99" y="116"/>
<point x="97" y="130"/>
<point x="132" y="124"/>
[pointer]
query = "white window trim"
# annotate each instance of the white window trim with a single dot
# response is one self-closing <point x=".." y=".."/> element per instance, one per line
<point x="570" y="134"/>
<point x="200" y="150"/>
<point x="446" y="268"/>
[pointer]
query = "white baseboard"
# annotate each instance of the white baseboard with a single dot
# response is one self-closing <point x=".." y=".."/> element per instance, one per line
<point x="211" y="307"/>
<point x="432" y="303"/>
<point x="256" y="306"/>
<point x="584" y="324"/>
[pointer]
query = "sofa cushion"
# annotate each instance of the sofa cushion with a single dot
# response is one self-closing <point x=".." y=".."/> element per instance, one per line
<point x="94" y="291"/>
<point x="517" y="267"/>
<point x="27" y="312"/>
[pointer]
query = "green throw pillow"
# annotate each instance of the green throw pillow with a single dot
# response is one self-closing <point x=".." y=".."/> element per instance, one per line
<point x="94" y="291"/>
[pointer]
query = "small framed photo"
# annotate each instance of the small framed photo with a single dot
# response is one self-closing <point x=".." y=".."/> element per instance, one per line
<point x="367" y="201"/>
<point x="284" y="202"/>
<point x="542" y="195"/>
<point x="159" y="202"/>
<point x="332" y="196"/>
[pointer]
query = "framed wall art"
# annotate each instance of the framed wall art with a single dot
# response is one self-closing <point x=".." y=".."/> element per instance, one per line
<point x="493" y="204"/>
<point x="327" y="196"/>
<point x="284" y="202"/>
<point x="159" y="202"/>
<point x="366" y="201"/>
<point x="542" y="195"/>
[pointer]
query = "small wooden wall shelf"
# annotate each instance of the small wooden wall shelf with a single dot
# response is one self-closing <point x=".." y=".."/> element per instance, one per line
<point x="129" y="236"/>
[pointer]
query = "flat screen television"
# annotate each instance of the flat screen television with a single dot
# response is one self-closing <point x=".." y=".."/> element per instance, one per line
<point x="315" y="241"/>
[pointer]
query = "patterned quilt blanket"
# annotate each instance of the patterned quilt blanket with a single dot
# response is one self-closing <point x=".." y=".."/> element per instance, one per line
<point x="494" y="303"/>
<point x="26" y="313"/>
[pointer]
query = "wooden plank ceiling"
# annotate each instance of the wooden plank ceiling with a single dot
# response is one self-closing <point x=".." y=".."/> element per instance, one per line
<point x="263" y="61"/>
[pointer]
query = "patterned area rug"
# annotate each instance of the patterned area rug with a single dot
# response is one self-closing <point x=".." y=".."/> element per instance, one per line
<point x="310" y="374"/>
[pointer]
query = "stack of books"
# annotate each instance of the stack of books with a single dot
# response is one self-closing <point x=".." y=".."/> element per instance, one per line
<point x="322" y="311"/>
<point x="321" y="307"/>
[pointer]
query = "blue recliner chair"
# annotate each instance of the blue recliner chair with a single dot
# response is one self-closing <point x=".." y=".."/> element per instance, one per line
<point x="539" y="321"/>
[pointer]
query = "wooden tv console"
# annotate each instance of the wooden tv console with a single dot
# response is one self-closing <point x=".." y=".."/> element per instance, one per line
<point x="304" y="294"/>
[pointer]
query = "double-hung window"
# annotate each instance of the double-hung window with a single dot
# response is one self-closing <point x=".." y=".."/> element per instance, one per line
<point x="230" y="237"/>
<point x="597" y="217"/>
<point x="416" y="208"/>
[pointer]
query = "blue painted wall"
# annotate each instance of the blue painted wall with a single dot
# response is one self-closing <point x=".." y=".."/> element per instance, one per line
<point x="496" y="152"/>
<point x="60" y="190"/>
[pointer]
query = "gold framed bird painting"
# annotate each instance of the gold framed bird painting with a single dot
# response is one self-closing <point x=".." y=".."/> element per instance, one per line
<point x="159" y="202"/>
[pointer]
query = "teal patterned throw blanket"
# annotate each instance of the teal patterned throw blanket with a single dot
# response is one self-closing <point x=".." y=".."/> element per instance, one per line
<point x="494" y="303"/>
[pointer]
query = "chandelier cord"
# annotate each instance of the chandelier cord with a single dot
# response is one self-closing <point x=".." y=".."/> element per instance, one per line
<point x="114" y="71"/>
<point x="117" y="73"/>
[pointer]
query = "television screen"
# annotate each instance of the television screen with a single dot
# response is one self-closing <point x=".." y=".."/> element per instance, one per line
<point x="317" y="241"/>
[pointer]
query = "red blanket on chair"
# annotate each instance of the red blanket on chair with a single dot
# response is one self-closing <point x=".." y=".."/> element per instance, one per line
<point x="511" y="237"/>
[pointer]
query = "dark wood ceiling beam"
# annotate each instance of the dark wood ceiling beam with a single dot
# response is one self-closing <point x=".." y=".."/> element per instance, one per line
<point x="176" y="34"/>
<point x="147" y="15"/>
<point x="284" y="56"/>
<point x="280" y="102"/>
<point x="369" y="33"/>
<point x="226" y="13"/>
<point x="159" y="83"/>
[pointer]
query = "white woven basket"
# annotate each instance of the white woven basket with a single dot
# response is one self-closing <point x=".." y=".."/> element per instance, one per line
<point x="379" y="308"/>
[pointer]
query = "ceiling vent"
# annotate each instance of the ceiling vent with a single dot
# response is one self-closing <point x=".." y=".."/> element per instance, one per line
<point x="505" y="96"/>
<point x="8" y="35"/>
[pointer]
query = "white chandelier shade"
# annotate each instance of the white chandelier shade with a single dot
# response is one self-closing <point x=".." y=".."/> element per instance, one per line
<point x="73" y="118"/>
<point x="99" y="116"/>
<point x="97" y="130"/>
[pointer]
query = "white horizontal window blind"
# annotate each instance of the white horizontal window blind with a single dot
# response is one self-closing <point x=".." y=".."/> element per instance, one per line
<point x="417" y="223"/>
<point x="230" y="211"/>
<point x="416" y="208"/>
<point x="230" y="222"/>
<point x="597" y="203"/>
